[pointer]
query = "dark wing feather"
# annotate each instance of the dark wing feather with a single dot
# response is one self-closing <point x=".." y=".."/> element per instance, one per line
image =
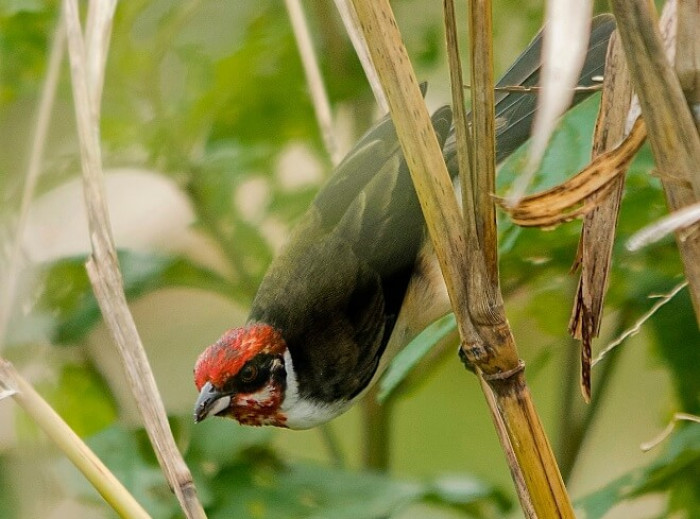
<point x="515" y="110"/>
<point x="336" y="290"/>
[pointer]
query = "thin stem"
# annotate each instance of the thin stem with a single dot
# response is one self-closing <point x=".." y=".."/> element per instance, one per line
<point x="319" y="97"/>
<point x="569" y="411"/>
<point x="209" y="220"/>
<point x="70" y="443"/>
<point x="637" y="326"/>
<point x="38" y="145"/>
<point x="377" y="432"/>
<point x="463" y="135"/>
<point x="103" y="265"/>
<point x="333" y="446"/>
<point x="483" y="131"/>
<point x="352" y="26"/>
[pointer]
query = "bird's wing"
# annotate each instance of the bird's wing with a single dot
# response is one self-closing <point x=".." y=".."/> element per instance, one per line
<point x="335" y="291"/>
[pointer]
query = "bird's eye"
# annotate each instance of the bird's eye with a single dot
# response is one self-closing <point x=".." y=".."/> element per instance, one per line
<point x="248" y="373"/>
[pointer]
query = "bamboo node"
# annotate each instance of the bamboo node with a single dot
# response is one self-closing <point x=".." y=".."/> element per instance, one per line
<point x="503" y="375"/>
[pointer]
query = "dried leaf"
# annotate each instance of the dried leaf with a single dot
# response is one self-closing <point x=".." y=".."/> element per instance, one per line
<point x="560" y="204"/>
<point x="598" y="231"/>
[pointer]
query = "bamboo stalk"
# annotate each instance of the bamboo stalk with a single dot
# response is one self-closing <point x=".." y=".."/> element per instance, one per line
<point x="483" y="130"/>
<point x="103" y="266"/>
<point x="487" y="343"/>
<point x="319" y="97"/>
<point x="544" y="483"/>
<point x="465" y="157"/>
<point x="516" y="472"/>
<point x="673" y="136"/>
<point x="70" y="443"/>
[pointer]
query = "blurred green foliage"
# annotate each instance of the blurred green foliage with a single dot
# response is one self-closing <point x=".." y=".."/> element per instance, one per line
<point x="676" y="470"/>
<point x="67" y="294"/>
<point x="239" y="474"/>
<point x="211" y="94"/>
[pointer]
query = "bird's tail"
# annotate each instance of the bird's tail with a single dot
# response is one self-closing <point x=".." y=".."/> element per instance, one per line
<point x="515" y="110"/>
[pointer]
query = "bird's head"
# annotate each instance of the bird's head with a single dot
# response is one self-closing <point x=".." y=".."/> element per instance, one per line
<point x="243" y="376"/>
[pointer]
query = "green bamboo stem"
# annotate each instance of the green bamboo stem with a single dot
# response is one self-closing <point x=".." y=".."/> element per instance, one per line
<point x="109" y="487"/>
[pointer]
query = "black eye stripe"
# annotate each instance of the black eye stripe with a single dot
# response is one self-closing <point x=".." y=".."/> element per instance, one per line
<point x="254" y="374"/>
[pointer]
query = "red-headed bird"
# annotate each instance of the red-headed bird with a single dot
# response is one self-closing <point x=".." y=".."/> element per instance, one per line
<point x="358" y="278"/>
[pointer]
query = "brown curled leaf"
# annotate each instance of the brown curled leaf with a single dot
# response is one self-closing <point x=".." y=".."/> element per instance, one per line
<point x="567" y="201"/>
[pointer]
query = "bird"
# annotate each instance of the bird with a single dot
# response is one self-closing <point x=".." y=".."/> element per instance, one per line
<point x="358" y="278"/>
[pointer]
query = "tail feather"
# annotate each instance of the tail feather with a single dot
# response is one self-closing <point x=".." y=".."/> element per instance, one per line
<point x="515" y="110"/>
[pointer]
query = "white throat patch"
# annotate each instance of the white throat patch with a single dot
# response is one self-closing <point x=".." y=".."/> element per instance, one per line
<point x="302" y="413"/>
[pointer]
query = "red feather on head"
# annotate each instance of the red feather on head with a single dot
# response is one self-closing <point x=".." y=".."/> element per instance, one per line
<point x="237" y="346"/>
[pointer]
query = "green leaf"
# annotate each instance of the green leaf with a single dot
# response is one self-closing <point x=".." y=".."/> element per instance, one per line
<point x="83" y="400"/>
<point x="411" y="355"/>
<point x="345" y="495"/>
<point x="67" y="293"/>
<point x="243" y="477"/>
<point x="14" y="7"/>
<point x="458" y="489"/>
<point x="222" y="440"/>
<point x="568" y="151"/>
<point x="25" y="26"/>
<point x="676" y="333"/>
<point x="677" y="470"/>
<point x="239" y="475"/>
<point x="310" y="491"/>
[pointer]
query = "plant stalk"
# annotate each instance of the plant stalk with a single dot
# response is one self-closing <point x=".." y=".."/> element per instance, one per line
<point x="673" y="136"/>
<point x="487" y="343"/>
<point x="70" y="443"/>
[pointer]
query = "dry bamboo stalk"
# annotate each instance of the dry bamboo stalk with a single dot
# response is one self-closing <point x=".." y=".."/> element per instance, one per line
<point x="687" y="63"/>
<point x="673" y="136"/>
<point x="516" y="472"/>
<point x="462" y="131"/>
<point x="490" y="347"/>
<point x="464" y="156"/>
<point x="319" y="97"/>
<point x="103" y="266"/>
<point x="70" y="443"/>
<point x="484" y="146"/>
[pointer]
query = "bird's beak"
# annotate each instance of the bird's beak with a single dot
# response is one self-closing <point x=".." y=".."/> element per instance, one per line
<point x="210" y="402"/>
